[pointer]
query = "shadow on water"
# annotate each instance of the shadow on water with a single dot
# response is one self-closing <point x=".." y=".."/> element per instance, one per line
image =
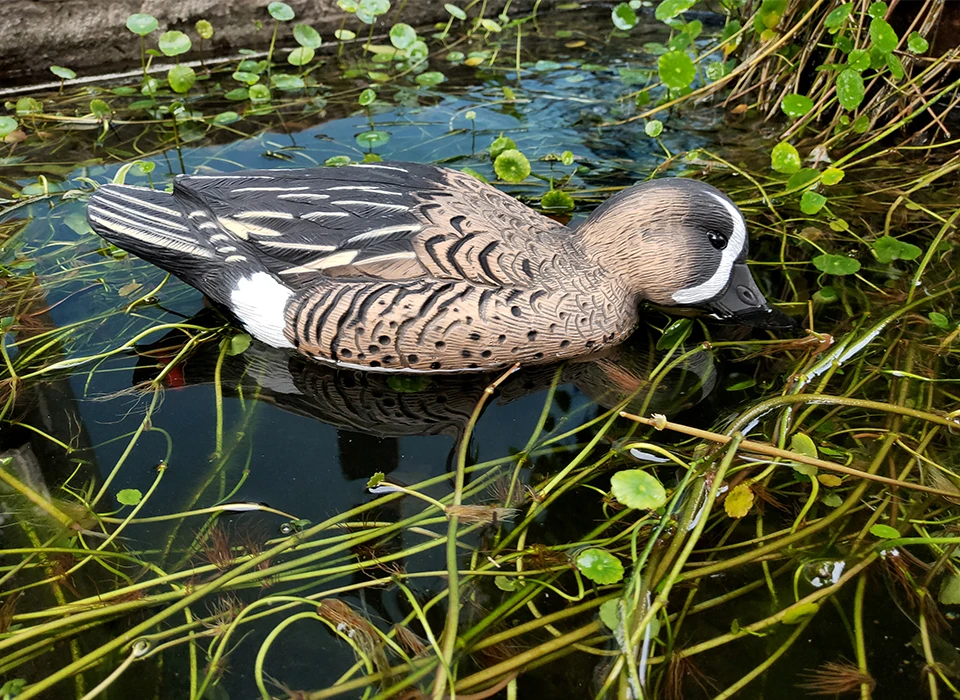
<point x="122" y="372"/>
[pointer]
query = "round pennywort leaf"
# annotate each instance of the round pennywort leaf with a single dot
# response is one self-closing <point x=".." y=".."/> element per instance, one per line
<point x="280" y="11"/>
<point x="796" y="106"/>
<point x="638" y="489"/>
<point x="556" y="200"/>
<point x="142" y="24"/>
<point x="402" y="35"/>
<point x="455" y="11"/>
<point x="63" y="73"/>
<point x="676" y="69"/>
<point x="836" y="264"/>
<point x="512" y="166"/>
<point x="600" y="566"/>
<point x="7" y="125"/>
<point x="300" y="56"/>
<point x="174" y="43"/>
<point x="181" y="78"/>
<point x="307" y="36"/>
<point x="668" y="9"/>
<point x="850" y="90"/>
<point x="204" y="29"/>
<point x="916" y="43"/>
<point x="784" y="158"/>
<point x="624" y="18"/>
<point x="129" y="497"/>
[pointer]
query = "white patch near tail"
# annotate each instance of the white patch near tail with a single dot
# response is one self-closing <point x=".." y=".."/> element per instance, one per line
<point x="260" y="302"/>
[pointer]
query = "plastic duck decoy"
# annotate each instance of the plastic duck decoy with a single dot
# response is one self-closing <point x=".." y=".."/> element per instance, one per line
<point x="398" y="267"/>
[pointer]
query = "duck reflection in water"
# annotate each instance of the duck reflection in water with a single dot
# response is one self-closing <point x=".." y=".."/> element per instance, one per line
<point x="371" y="411"/>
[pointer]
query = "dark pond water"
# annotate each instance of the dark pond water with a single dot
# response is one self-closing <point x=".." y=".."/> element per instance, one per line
<point x="304" y="439"/>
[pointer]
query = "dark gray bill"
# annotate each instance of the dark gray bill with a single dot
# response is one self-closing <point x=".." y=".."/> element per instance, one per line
<point x="743" y="303"/>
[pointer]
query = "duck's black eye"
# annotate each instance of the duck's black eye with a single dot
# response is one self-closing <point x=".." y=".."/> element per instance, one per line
<point x="717" y="240"/>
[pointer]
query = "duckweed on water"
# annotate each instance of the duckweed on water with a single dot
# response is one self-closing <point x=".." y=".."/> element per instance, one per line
<point x="175" y="523"/>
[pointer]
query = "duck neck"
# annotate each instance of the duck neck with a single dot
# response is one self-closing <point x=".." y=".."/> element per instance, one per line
<point x="624" y="243"/>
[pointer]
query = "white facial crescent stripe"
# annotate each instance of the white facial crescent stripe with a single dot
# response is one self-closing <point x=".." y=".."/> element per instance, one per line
<point x="713" y="286"/>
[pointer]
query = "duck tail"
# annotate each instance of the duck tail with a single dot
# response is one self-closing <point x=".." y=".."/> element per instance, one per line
<point x="151" y="225"/>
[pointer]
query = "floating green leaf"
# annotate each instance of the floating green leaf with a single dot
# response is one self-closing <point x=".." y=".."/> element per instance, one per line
<point x="402" y="35"/>
<point x="30" y="105"/>
<point x="307" y="36"/>
<point x="624" y="18"/>
<point x="858" y="60"/>
<point x="63" y="73"/>
<point x="174" y="43"/>
<point x="475" y="173"/>
<point x="887" y="249"/>
<point x="344" y="35"/>
<point x="676" y="69"/>
<point x="784" y="158"/>
<point x="7" y="126"/>
<point x="600" y="566"/>
<point x="372" y="139"/>
<point x="796" y="106"/>
<point x="838" y="16"/>
<point x="283" y="81"/>
<point x="811" y="202"/>
<point x="638" y="489"/>
<point x="142" y="24"/>
<point x="802" y="178"/>
<point x="939" y="320"/>
<point x="239" y="344"/>
<point x="506" y="583"/>
<point x="280" y="11"/>
<point x="512" y="166"/>
<point x="259" y="93"/>
<point x="99" y="109"/>
<point x="300" y="56"/>
<point x="337" y="161"/>
<point x="883" y="35"/>
<point x="884" y="532"/>
<point x="366" y="97"/>
<point x="181" y="78"/>
<point x="226" y="118"/>
<point x="500" y="144"/>
<point x="877" y="9"/>
<point x="831" y="176"/>
<point x="895" y="66"/>
<point x="916" y="43"/>
<point x="556" y="200"/>
<point x="668" y="9"/>
<point x="237" y="94"/>
<point x="850" y="90"/>
<point x="430" y="78"/>
<point x="653" y="128"/>
<point x="836" y="264"/>
<point x="129" y="497"/>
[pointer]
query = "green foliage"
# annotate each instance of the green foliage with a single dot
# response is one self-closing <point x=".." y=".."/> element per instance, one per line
<point x="624" y="18"/>
<point x="7" y="125"/>
<point x="204" y="29"/>
<point x="668" y="9"/>
<point x="238" y="344"/>
<point x="181" y="78"/>
<point x="784" y="158"/>
<point x="300" y="56"/>
<point x="512" y="166"/>
<point x="676" y="69"/>
<point x="600" y="566"/>
<point x="402" y="35"/>
<point x="796" y="106"/>
<point x="174" y="43"/>
<point x="129" y="497"/>
<point x="836" y="264"/>
<point x="556" y="200"/>
<point x="281" y="11"/>
<point x="142" y="24"/>
<point x="887" y="249"/>
<point x="638" y="489"/>
<point x="501" y="144"/>
<point x="455" y="11"/>
<point x="366" y="98"/>
<point x="63" y="73"/>
<point x="307" y="36"/>
<point x="653" y="128"/>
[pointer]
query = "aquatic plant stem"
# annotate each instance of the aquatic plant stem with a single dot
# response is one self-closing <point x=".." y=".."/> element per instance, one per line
<point x="767" y="449"/>
<point x="448" y="641"/>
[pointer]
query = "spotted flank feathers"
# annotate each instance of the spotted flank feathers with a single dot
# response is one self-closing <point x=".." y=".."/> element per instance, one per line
<point x="404" y="267"/>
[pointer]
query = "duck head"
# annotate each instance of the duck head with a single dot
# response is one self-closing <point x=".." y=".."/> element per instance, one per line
<point x="680" y="242"/>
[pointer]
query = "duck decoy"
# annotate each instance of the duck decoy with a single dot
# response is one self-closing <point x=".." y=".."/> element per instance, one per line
<point x="417" y="268"/>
